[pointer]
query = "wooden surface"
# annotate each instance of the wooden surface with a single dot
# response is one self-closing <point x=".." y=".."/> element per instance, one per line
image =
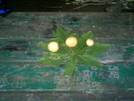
<point x="19" y="51"/>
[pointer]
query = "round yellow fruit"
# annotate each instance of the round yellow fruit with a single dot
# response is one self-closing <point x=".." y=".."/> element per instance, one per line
<point x="71" y="41"/>
<point x="53" y="46"/>
<point x="89" y="42"/>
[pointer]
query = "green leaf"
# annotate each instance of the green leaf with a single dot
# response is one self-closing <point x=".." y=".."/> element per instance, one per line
<point x="70" y="67"/>
<point x="88" y="35"/>
<point x="64" y="49"/>
<point x="53" y="59"/>
<point x="74" y="35"/>
<point x="61" y="34"/>
<point x="78" y="49"/>
<point x="82" y="50"/>
<point x="89" y="60"/>
<point x="97" y="49"/>
<point x="44" y="45"/>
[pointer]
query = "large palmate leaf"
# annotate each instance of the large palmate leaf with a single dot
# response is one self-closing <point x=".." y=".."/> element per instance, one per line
<point x="82" y="52"/>
<point x="71" y="56"/>
<point x="89" y="60"/>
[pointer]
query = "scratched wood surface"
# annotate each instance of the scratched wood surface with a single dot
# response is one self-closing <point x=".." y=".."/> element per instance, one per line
<point x="19" y="51"/>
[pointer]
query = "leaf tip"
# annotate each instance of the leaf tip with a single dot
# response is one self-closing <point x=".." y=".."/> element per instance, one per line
<point x="40" y="42"/>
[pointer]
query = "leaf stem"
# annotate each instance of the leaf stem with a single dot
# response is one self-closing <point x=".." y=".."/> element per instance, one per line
<point x="71" y="50"/>
<point x="72" y="77"/>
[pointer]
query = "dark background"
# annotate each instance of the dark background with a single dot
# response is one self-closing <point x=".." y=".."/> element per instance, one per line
<point x="60" y="6"/>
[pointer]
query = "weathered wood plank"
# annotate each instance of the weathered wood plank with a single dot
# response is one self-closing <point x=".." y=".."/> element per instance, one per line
<point x="62" y="96"/>
<point x="41" y="25"/>
<point x="29" y="77"/>
<point x="19" y="51"/>
<point x="22" y="50"/>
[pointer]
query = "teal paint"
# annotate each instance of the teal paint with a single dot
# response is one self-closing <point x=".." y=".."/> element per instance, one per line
<point x="34" y="77"/>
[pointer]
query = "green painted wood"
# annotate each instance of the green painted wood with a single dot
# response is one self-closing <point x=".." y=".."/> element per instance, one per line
<point x="19" y="52"/>
<point x="27" y="77"/>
